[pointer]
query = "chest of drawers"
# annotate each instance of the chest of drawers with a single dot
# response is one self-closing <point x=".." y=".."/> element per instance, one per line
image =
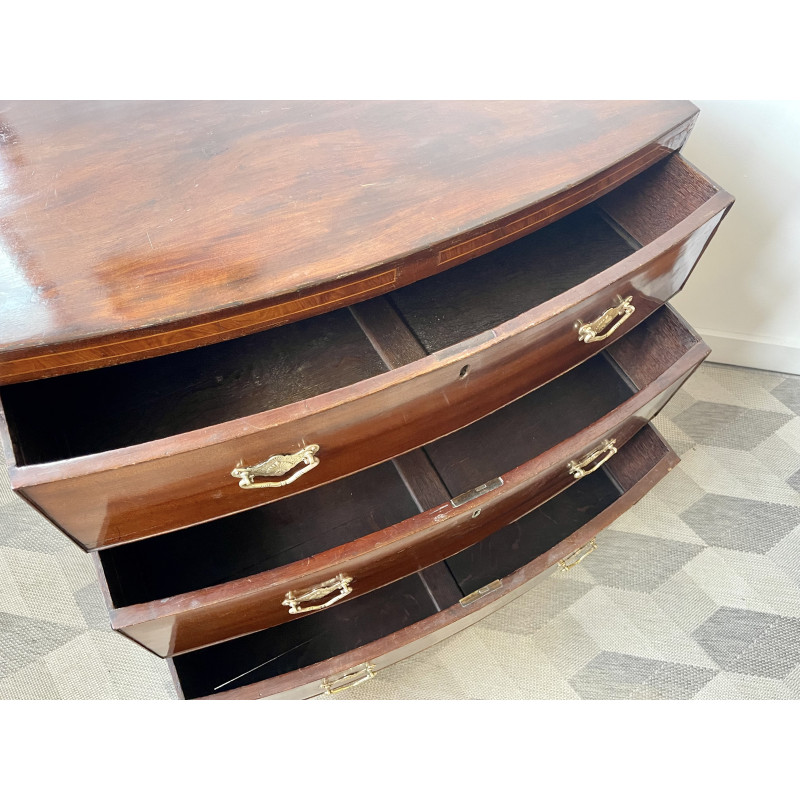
<point x="319" y="384"/>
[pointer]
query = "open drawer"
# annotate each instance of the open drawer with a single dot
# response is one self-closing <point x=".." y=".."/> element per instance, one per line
<point x="350" y="643"/>
<point x="287" y="560"/>
<point x="126" y="452"/>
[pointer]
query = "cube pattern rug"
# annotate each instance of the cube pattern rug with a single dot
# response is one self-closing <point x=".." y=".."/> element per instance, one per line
<point x="694" y="593"/>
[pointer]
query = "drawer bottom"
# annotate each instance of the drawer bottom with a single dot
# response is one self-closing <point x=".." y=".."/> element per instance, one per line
<point x="351" y="642"/>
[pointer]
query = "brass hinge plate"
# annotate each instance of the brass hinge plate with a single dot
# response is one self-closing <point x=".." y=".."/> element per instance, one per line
<point x="478" y="593"/>
<point x="489" y="486"/>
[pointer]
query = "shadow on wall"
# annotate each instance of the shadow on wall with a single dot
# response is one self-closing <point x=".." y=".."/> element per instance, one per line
<point x="747" y="285"/>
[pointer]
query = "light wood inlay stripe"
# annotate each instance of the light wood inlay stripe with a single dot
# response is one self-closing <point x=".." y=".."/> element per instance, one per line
<point x="538" y="218"/>
<point x="250" y="321"/>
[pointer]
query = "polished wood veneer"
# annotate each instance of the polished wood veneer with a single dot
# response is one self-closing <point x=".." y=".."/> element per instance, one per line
<point x="158" y="476"/>
<point x="292" y="660"/>
<point x="222" y="579"/>
<point x="237" y="216"/>
<point x="456" y="304"/>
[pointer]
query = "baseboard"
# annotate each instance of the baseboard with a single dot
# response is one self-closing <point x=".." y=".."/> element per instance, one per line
<point x="758" y="352"/>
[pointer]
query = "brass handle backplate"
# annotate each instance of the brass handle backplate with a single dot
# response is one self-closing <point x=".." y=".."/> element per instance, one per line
<point x="573" y="559"/>
<point x="349" y="679"/>
<point x="578" y="468"/>
<point x="593" y="331"/>
<point x="275" y="467"/>
<point x="341" y="584"/>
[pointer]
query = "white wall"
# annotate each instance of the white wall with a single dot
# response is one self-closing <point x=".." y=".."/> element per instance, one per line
<point x="744" y="295"/>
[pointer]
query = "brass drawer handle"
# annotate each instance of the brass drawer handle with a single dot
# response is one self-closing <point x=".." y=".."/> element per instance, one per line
<point x="341" y="584"/>
<point x="591" y="331"/>
<point x="275" y="466"/>
<point x="573" y="559"/>
<point x="352" y="678"/>
<point x="576" y="468"/>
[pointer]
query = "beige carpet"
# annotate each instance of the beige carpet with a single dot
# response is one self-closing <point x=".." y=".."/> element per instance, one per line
<point x="694" y="593"/>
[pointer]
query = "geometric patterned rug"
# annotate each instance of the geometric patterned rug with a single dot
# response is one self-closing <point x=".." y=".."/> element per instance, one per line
<point x="693" y="593"/>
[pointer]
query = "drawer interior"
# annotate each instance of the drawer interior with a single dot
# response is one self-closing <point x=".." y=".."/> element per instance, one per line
<point x="257" y="540"/>
<point x="531" y="425"/>
<point x="113" y="407"/>
<point x="541" y="529"/>
<point x="483" y="293"/>
<point x="537" y="532"/>
<point x="104" y="409"/>
<point x="380" y="613"/>
<point x="306" y="640"/>
<point x="300" y="526"/>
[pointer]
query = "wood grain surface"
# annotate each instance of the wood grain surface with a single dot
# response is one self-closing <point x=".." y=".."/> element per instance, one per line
<point x="200" y="285"/>
<point x="535" y="458"/>
<point x="123" y="494"/>
<point x="652" y="460"/>
<point x="129" y="229"/>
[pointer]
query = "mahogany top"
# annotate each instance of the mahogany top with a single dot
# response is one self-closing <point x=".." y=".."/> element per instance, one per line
<point x="129" y="229"/>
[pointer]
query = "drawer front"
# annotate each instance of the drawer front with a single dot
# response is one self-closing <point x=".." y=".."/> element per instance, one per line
<point x="108" y="498"/>
<point x="651" y="462"/>
<point x="197" y="619"/>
